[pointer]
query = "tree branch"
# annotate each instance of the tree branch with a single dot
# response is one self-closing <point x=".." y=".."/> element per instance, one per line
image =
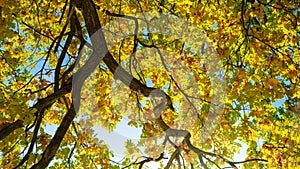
<point x="53" y="146"/>
<point x="9" y="128"/>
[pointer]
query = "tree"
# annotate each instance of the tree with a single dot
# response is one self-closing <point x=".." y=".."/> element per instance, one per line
<point x="197" y="77"/>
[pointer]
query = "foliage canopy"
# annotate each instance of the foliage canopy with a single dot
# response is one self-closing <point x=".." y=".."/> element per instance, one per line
<point x="257" y="43"/>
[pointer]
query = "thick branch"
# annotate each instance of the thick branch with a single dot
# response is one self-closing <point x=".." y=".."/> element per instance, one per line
<point x="9" y="128"/>
<point x="40" y="105"/>
<point x="53" y="146"/>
